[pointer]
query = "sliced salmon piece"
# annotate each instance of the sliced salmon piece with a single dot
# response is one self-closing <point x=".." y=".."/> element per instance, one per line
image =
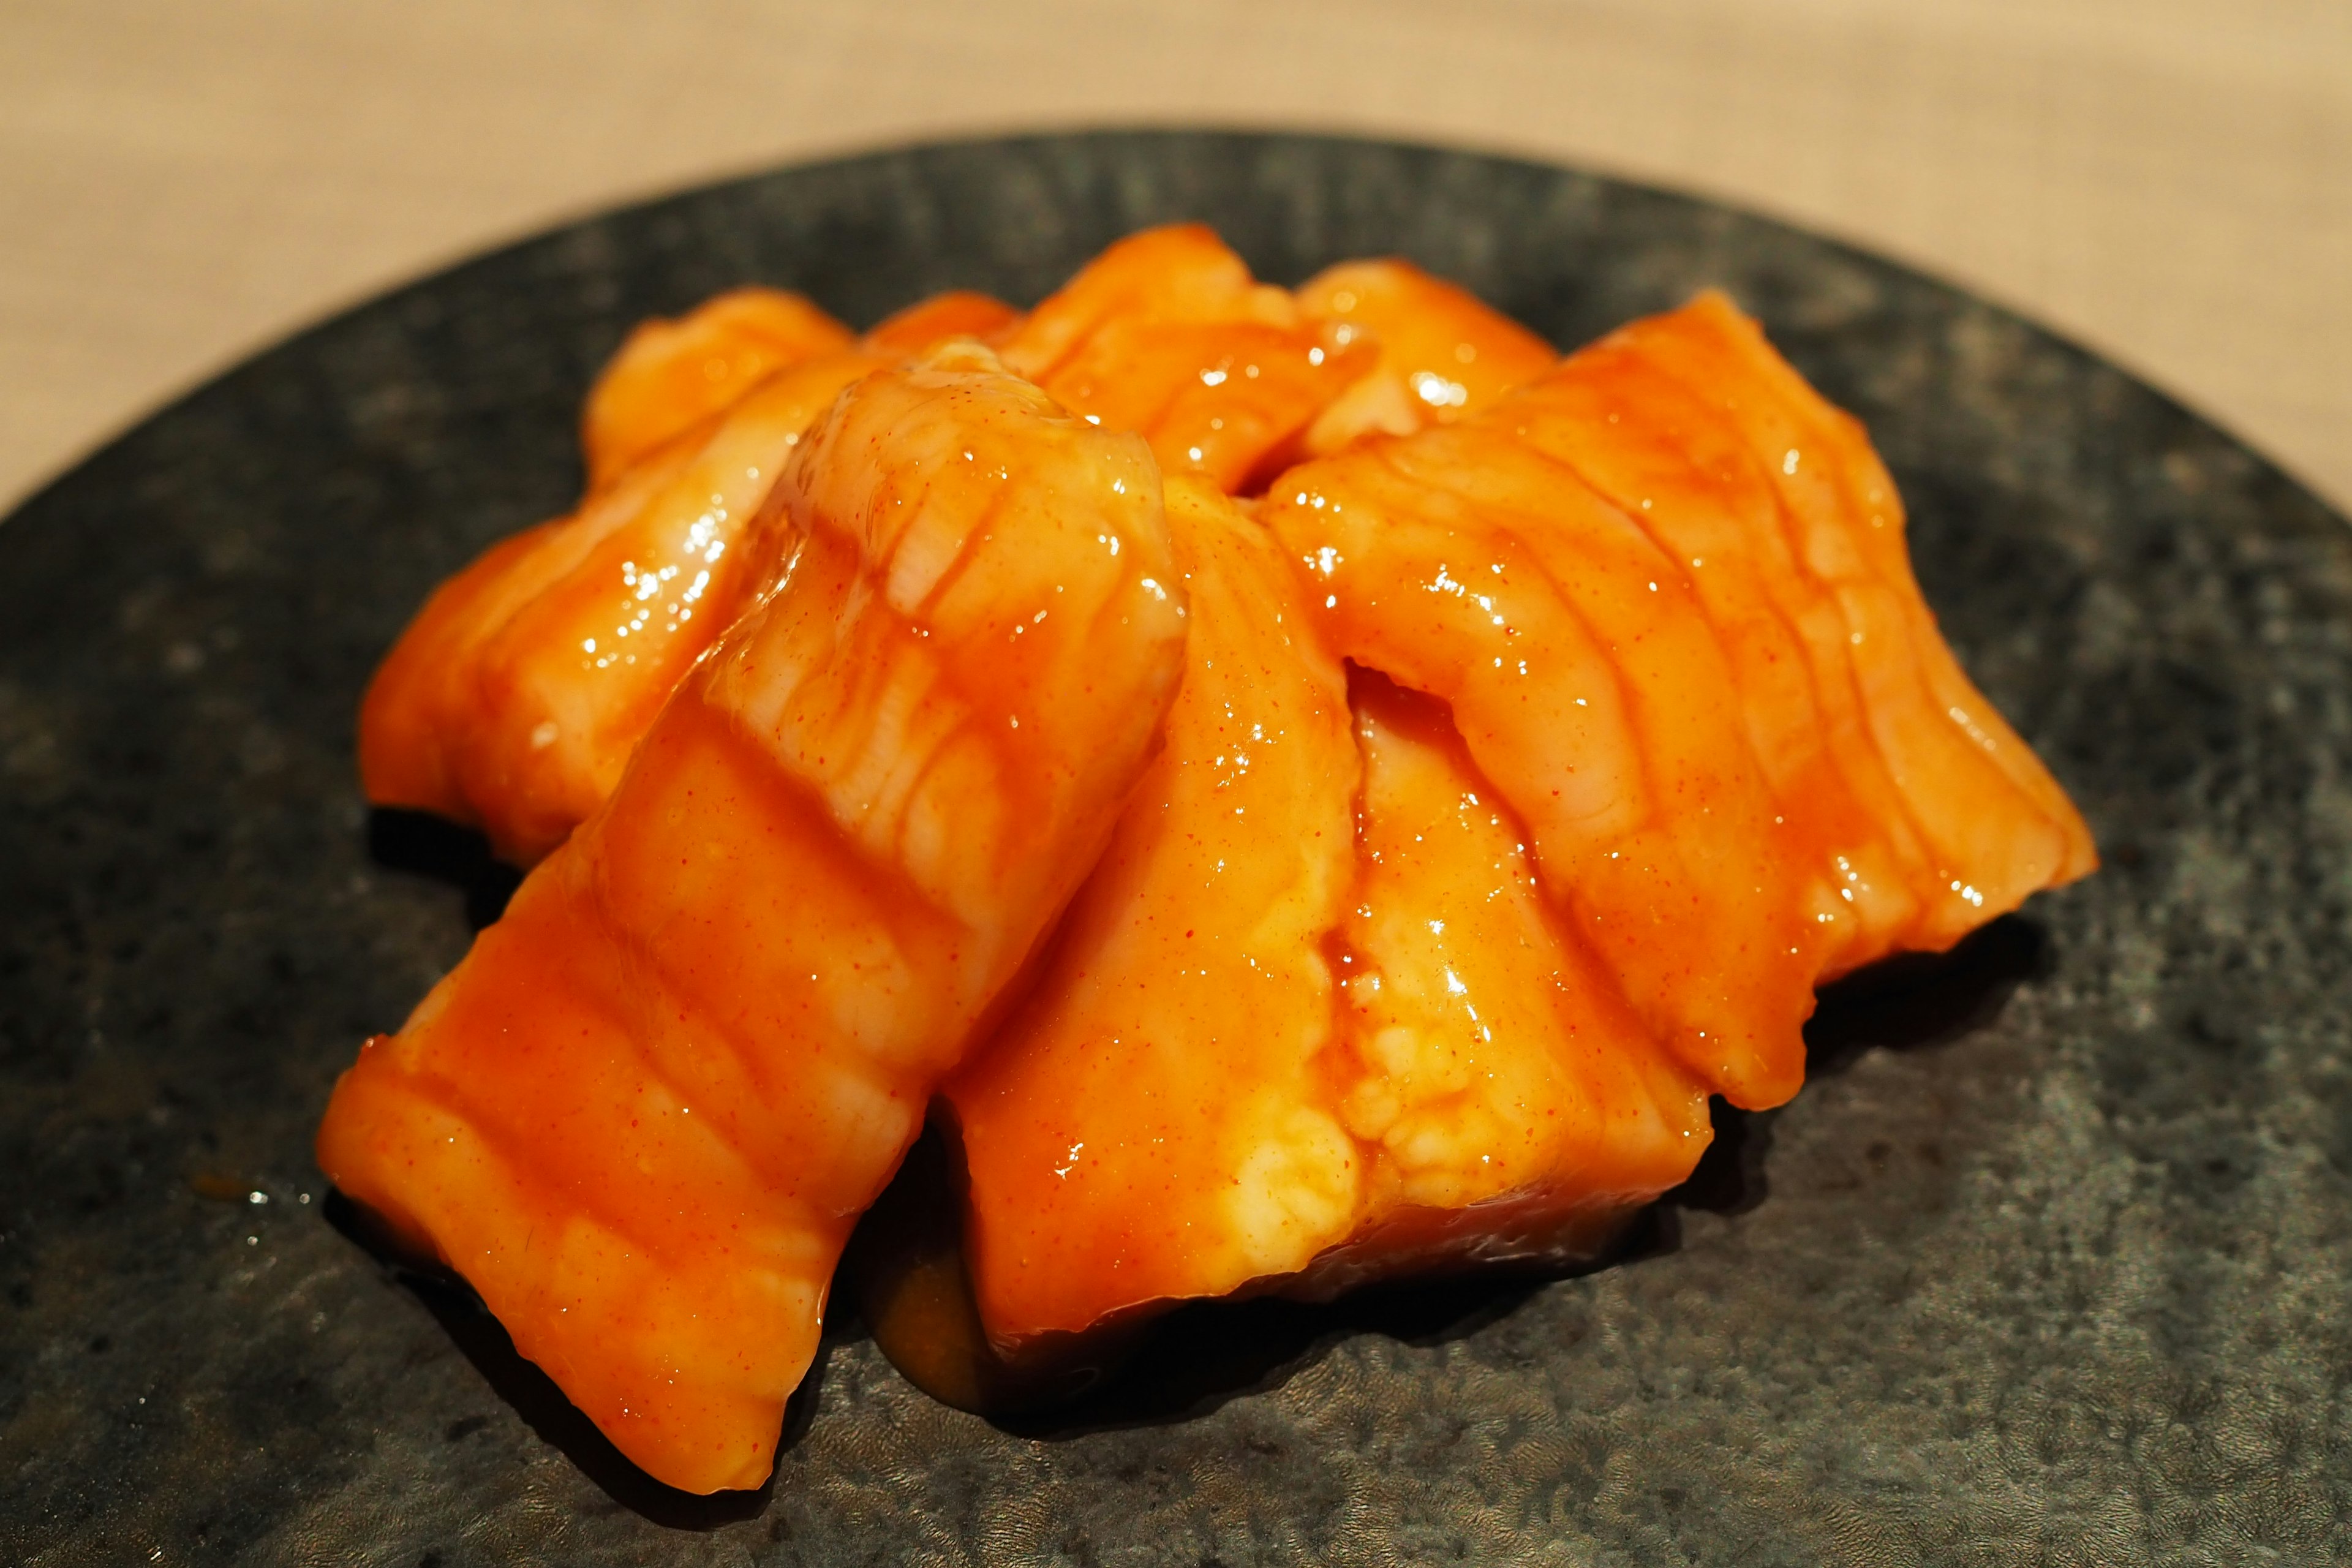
<point x="1167" y="333"/>
<point x="1511" y="1106"/>
<point x="1309" y="1022"/>
<point x="1589" y="685"/>
<point x="927" y="323"/>
<point x="669" y="376"/>
<point x="513" y="699"/>
<point x="1444" y="352"/>
<point x="1603" y="576"/>
<point x="408" y="717"/>
<point x="1175" y="1042"/>
<point x="1664" y="458"/>
<point x="1997" y="825"/>
<point x="643" y="1113"/>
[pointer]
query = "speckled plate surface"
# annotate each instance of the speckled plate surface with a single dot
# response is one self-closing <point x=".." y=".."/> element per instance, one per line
<point x="2051" y="1262"/>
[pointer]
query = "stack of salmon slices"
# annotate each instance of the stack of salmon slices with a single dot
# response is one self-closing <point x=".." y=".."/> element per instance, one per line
<point x="1300" y="787"/>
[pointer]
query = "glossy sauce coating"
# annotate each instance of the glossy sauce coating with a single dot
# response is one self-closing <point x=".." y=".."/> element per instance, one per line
<point x="1310" y="1022"/>
<point x="1368" y="982"/>
<point x="1511" y="1105"/>
<point x="513" y="699"/>
<point x="1586" y="681"/>
<point x="669" y="376"/>
<point x="1661" y="457"/>
<point x="642" y="1115"/>
<point x="1167" y="333"/>
<point x="511" y="702"/>
<point x="1996" y="824"/>
<point x="1443" y="353"/>
<point x="928" y="323"/>
<point x="1898" y="816"/>
<point x="1153" y="1123"/>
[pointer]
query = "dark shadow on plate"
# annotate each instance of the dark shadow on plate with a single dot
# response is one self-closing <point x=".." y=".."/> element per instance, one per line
<point x="1915" y="999"/>
<point x="904" y="1276"/>
<point x="1204" y="1355"/>
<point x="1910" y="1002"/>
<point x="1201" y="1355"/>
<point x="426" y="846"/>
<point x="1729" y="1178"/>
<point x="533" y="1396"/>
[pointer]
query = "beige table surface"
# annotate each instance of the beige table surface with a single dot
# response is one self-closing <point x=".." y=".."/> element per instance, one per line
<point x="2170" y="181"/>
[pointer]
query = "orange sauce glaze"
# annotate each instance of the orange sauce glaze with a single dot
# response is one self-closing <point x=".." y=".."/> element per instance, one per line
<point x="1443" y="353"/>
<point x="669" y="376"/>
<point x="1310" y="1022"/>
<point x="1201" y="1097"/>
<point x="1288" y="1096"/>
<point x="1708" y="685"/>
<point x="1996" y="826"/>
<point x="1168" y="334"/>
<point x="513" y="698"/>
<point x="512" y="701"/>
<point x="642" y="1115"/>
<point x="1591" y="689"/>
<point x="927" y="323"/>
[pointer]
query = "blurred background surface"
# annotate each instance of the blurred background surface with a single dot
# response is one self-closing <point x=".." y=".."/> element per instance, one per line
<point x="2167" y="181"/>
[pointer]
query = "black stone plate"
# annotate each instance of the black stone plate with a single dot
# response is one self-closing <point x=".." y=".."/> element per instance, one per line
<point x="2052" y="1261"/>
